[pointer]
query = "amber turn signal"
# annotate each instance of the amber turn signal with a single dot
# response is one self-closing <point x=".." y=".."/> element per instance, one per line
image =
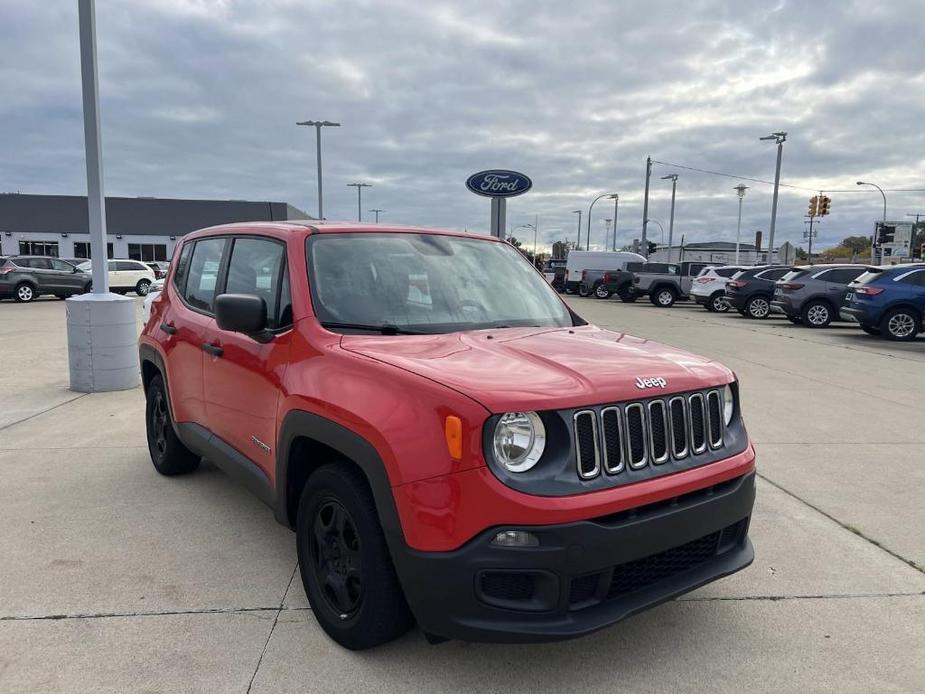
<point x="453" y="431"/>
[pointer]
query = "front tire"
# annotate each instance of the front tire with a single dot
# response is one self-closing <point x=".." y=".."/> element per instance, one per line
<point x="717" y="303"/>
<point x="141" y="289"/>
<point x="901" y="324"/>
<point x="758" y="308"/>
<point x="169" y="455"/>
<point x="344" y="561"/>
<point x="663" y="298"/>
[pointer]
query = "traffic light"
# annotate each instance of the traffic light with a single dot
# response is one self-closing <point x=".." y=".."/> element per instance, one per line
<point x="825" y="202"/>
<point x="885" y="233"/>
<point x="813" y="205"/>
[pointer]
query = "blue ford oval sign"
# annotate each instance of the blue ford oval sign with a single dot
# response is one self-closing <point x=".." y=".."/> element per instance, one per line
<point x="499" y="183"/>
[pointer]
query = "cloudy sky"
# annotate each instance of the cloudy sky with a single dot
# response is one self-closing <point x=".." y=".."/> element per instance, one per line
<point x="200" y="99"/>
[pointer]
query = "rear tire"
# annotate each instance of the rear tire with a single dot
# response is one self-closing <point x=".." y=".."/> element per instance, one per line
<point x="901" y="324"/>
<point x="141" y="289"/>
<point x="24" y="293"/>
<point x="583" y="290"/>
<point x="663" y="298"/>
<point x="717" y="303"/>
<point x="344" y="561"/>
<point x="758" y="308"/>
<point x="169" y="455"/>
<point x="600" y="292"/>
<point x="817" y="314"/>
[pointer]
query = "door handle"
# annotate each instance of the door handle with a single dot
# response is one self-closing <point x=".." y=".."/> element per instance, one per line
<point x="168" y="328"/>
<point x="214" y="350"/>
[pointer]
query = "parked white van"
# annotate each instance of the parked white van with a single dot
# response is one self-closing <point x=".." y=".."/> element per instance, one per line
<point x="579" y="261"/>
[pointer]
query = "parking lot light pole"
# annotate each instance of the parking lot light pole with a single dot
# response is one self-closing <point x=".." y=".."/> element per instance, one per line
<point x="873" y="239"/>
<point x="740" y="191"/>
<point x="779" y="137"/>
<point x="602" y="195"/>
<point x="616" y="209"/>
<point x="359" y="187"/>
<point x="674" y="187"/>
<point x="319" y="124"/>
<point x="578" y="212"/>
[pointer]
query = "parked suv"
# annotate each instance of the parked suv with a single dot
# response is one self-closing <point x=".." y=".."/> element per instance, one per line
<point x="451" y="443"/>
<point x="888" y="301"/>
<point x="126" y="276"/>
<point x="709" y="287"/>
<point x="812" y="295"/>
<point x="749" y="292"/>
<point x="666" y="283"/>
<point x="25" y="277"/>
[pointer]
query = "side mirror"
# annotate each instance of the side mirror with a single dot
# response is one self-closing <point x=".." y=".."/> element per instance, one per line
<point x="242" y="313"/>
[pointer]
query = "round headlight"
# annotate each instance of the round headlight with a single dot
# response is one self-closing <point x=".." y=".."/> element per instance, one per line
<point x="728" y="404"/>
<point x="519" y="440"/>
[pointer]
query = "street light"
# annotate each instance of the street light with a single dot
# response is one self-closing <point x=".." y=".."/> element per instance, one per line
<point x="616" y="209"/>
<point x="602" y="195"/>
<point x="778" y="137"/>
<point x="740" y="191"/>
<point x="359" y="187"/>
<point x="578" y="212"/>
<point x="674" y="186"/>
<point x="319" y="124"/>
<point x="873" y="239"/>
<point x="535" y="226"/>
<point x="377" y="211"/>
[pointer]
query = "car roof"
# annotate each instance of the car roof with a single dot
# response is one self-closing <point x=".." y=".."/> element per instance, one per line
<point x="308" y="227"/>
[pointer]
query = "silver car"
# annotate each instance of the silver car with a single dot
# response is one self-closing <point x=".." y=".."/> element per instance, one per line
<point x="812" y="295"/>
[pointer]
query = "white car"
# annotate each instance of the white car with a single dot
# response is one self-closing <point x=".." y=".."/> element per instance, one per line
<point x="153" y="291"/>
<point x="709" y="287"/>
<point x="126" y="276"/>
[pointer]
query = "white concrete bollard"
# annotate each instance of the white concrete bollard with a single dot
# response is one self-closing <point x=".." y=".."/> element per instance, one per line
<point x="102" y="343"/>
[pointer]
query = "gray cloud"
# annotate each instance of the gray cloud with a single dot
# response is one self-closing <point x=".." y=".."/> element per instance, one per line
<point x="200" y="97"/>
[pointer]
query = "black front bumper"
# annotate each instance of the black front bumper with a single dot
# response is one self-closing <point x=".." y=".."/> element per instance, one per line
<point x="583" y="576"/>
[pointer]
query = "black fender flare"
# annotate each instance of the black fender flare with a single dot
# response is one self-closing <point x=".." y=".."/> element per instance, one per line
<point x="299" y="423"/>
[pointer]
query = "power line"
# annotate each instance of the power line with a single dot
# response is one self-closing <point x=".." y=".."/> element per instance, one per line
<point x="783" y="185"/>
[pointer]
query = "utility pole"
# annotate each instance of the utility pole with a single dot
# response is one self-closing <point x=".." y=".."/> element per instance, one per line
<point x="377" y="211"/>
<point x="578" y="212"/>
<point x="359" y="187"/>
<point x="644" y="245"/>
<point x="779" y="138"/>
<point x="616" y="209"/>
<point x="536" y="230"/>
<point x="674" y="186"/>
<point x="740" y="191"/>
<point x="319" y="124"/>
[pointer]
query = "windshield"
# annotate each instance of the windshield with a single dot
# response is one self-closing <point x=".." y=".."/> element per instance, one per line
<point x="427" y="283"/>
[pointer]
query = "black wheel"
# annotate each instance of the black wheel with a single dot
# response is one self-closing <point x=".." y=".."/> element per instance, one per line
<point x="663" y="298"/>
<point x="169" y="455"/>
<point x="61" y="296"/>
<point x="796" y="320"/>
<point x="901" y="324"/>
<point x="717" y="303"/>
<point x="870" y="329"/>
<point x="758" y="307"/>
<point x="344" y="561"/>
<point x="583" y="290"/>
<point x="600" y="291"/>
<point x="627" y="295"/>
<point x="141" y="289"/>
<point x="24" y="293"/>
<point x="817" y="314"/>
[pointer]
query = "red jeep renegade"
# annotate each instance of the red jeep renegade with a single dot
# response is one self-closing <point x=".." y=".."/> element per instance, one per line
<point x="452" y="444"/>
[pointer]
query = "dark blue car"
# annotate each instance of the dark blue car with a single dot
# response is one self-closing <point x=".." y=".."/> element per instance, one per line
<point x="888" y="301"/>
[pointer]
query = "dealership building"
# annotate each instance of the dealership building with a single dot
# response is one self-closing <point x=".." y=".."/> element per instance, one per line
<point x="138" y="228"/>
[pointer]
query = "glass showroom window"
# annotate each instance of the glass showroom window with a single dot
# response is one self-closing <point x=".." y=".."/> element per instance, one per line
<point x="82" y="249"/>
<point x="147" y="252"/>
<point x="49" y="248"/>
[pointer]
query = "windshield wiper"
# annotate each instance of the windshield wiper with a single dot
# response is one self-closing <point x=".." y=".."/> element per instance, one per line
<point x="384" y="329"/>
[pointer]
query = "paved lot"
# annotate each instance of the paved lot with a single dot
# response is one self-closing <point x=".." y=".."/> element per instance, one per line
<point x="115" y="579"/>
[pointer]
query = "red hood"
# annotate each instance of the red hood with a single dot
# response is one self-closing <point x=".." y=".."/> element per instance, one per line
<point x="542" y="368"/>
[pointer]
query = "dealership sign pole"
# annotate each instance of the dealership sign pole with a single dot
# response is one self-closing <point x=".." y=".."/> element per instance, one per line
<point x="102" y="333"/>
<point x="498" y="184"/>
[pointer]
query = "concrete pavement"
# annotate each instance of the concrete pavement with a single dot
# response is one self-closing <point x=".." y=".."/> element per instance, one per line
<point x="116" y="579"/>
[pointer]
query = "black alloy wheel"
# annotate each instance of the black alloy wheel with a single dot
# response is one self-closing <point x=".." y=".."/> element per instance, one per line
<point x="337" y="558"/>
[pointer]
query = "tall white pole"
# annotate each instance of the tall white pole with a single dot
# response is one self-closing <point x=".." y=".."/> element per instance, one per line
<point x="781" y="138"/>
<point x="318" y="156"/>
<point x="739" y="231"/>
<point x="96" y="202"/>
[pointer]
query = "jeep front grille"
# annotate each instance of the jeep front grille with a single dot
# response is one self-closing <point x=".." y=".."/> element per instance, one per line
<point x="631" y="436"/>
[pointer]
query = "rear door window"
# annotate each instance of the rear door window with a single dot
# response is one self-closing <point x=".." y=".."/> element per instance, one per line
<point x="916" y="278"/>
<point x="203" y="274"/>
<point x="844" y="275"/>
<point x="774" y="274"/>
